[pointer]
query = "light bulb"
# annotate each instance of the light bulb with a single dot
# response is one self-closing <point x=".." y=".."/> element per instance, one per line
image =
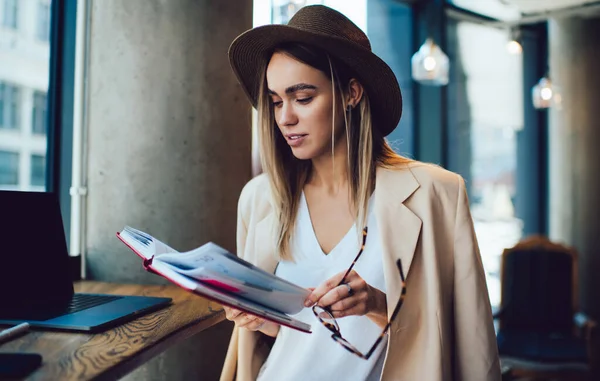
<point x="430" y="65"/>
<point x="546" y="93"/>
<point x="514" y="47"/>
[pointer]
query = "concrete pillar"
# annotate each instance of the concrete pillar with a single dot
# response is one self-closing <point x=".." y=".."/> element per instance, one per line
<point x="574" y="152"/>
<point x="169" y="139"/>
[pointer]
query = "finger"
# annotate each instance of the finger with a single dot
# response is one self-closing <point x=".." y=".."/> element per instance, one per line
<point x="307" y="301"/>
<point x="357" y="309"/>
<point x="250" y="322"/>
<point x="346" y="304"/>
<point x="334" y="296"/>
<point x="242" y="319"/>
<point x="353" y="284"/>
<point x="255" y="325"/>
<point x="323" y="288"/>
<point x="232" y="313"/>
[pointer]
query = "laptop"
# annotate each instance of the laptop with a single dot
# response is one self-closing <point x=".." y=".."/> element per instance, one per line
<point x="35" y="272"/>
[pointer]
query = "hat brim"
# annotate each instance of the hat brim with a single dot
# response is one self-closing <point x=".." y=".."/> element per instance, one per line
<point x="249" y="51"/>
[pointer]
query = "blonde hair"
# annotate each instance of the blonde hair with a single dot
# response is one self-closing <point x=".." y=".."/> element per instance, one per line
<point x="367" y="149"/>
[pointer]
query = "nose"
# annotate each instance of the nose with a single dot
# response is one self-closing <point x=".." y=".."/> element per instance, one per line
<point x="287" y="115"/>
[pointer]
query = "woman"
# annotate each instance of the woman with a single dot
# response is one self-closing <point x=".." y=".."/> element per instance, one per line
<point x="332" y="187"/>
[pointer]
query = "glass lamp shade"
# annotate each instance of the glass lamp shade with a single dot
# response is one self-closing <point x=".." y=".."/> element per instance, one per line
<point x="515" y="38"/>
<point x="514" y="47"/>
<point x="430" y="65"/>
<point x="543" y="94"/>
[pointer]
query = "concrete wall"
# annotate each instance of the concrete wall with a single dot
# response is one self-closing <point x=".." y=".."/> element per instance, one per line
<point x="168" y="142"/>
<point x="574" y="152"/>
<point x="574" y="148"/>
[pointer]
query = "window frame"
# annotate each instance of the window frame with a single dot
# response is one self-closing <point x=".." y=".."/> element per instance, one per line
<point x="60" y="97"/>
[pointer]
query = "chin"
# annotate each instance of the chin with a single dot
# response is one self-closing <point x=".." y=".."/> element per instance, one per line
<point x="302" y="154"/>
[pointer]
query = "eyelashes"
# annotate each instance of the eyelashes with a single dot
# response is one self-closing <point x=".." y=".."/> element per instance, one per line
<point x="302" y="101"/>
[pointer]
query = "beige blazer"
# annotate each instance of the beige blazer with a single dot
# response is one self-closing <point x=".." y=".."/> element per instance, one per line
<point x="444" y="330"/>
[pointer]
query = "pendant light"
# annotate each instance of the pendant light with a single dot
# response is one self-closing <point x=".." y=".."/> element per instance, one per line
<point x="514" y="45"/>
<point x="544" y="94"/>
<point x="430" y="65"/>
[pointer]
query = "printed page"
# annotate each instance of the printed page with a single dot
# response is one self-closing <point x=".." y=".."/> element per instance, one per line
<point x="145" y="243"/>
<point x="287" y="302"/>
<point x="211" y="260"/>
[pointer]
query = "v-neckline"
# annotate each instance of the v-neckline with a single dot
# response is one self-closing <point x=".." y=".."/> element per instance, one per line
<point x="313" y="233"/>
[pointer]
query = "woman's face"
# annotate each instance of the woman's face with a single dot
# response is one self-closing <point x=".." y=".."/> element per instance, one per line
<point x="303" y="102"/>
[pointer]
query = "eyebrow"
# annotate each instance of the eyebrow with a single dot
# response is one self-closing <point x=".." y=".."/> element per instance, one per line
<point x="295" y="88"/>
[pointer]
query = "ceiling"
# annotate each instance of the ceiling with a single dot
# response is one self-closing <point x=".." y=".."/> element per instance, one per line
<point x="542" y="6"/>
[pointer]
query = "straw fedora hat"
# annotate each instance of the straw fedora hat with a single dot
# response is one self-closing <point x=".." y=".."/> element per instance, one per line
<point x="325" y="28"/>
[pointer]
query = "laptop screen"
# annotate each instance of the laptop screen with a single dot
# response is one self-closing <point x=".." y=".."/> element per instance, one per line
<point x="34" y="265"/>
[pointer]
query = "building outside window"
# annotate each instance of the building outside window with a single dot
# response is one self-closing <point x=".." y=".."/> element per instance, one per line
<point x="43" y="20"/>
<point x="38" y="117"/>
<point x="10" y="14"/>
<point x="283" y="10"/>
<point x="9" y="168"/>
<point x="24" y="79"/>
<point x="38" y="170"/>
<point x="9" y="106"/>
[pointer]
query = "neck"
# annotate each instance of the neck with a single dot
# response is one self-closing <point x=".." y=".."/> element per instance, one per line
<point x="330" y="172"/>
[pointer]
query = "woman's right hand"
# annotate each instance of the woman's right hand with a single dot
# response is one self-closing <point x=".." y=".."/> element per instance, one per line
<point x="251" y="322"/>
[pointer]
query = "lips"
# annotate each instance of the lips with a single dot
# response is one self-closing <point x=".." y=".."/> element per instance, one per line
<point x="295" y="140"/>
<point x="294" y="136"/>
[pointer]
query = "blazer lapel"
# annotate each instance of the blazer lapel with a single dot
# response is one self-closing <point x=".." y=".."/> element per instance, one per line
<point x="399" y="227"/>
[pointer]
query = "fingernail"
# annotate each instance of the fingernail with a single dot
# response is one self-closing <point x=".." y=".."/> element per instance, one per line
<point x="308" y="303"/>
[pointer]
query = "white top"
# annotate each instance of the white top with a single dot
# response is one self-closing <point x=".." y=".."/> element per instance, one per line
<point x="301" y="356"/>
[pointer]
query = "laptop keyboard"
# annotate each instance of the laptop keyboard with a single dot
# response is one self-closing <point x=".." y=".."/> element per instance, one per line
<point x="81" y="302"/>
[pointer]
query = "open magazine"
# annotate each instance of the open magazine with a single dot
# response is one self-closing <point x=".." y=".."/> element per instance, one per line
<point x="215" y="273"/>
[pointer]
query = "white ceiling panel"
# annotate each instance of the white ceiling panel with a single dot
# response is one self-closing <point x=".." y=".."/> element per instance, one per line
<point x="539" y="6"/>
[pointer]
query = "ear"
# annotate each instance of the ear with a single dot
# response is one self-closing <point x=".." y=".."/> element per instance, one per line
<point x="355" y="92"/>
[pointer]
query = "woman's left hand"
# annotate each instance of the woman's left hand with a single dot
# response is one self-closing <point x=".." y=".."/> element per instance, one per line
<point x="358" y="299"/>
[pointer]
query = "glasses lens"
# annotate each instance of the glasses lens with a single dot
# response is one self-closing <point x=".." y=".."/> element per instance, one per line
<point x="327" y="319"/>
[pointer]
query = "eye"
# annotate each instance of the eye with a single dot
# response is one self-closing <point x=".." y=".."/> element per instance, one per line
<point x="277" y="103"/>
<point x="304" y="100"/>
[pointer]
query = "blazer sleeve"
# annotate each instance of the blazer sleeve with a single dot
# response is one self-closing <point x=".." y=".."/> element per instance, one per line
<point x="247" y="350"/>
<point x="230" y="365"/>
<point x="476" y="350"/>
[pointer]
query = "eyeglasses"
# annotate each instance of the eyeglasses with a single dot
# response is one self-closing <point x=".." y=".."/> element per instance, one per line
<point x="325" y="315"/>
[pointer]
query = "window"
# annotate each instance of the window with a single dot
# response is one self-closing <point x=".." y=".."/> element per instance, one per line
<point x="38" y="171"/>
<point x="24" y="80"/>
<point x="11" y="14"/>
<point x="485" y="114"/>
<point x="283" y="10"/>
<point x="43" y="20"/>
<point x="9" y="169"/>
<point x="38" y="117"/>
<point x="9" y="106"/>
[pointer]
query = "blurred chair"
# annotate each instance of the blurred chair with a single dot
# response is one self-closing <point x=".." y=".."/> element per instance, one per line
<point x="540" y="333"/>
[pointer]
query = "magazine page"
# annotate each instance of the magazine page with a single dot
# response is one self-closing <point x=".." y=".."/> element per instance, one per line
<point x="218" y="260"/>
<point x="287" y="302"/>
<point x="145" y="243"/>
<point x="228" y="299"/>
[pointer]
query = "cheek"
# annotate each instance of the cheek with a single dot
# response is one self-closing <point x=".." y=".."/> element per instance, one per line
<point x="320" y="120"/>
